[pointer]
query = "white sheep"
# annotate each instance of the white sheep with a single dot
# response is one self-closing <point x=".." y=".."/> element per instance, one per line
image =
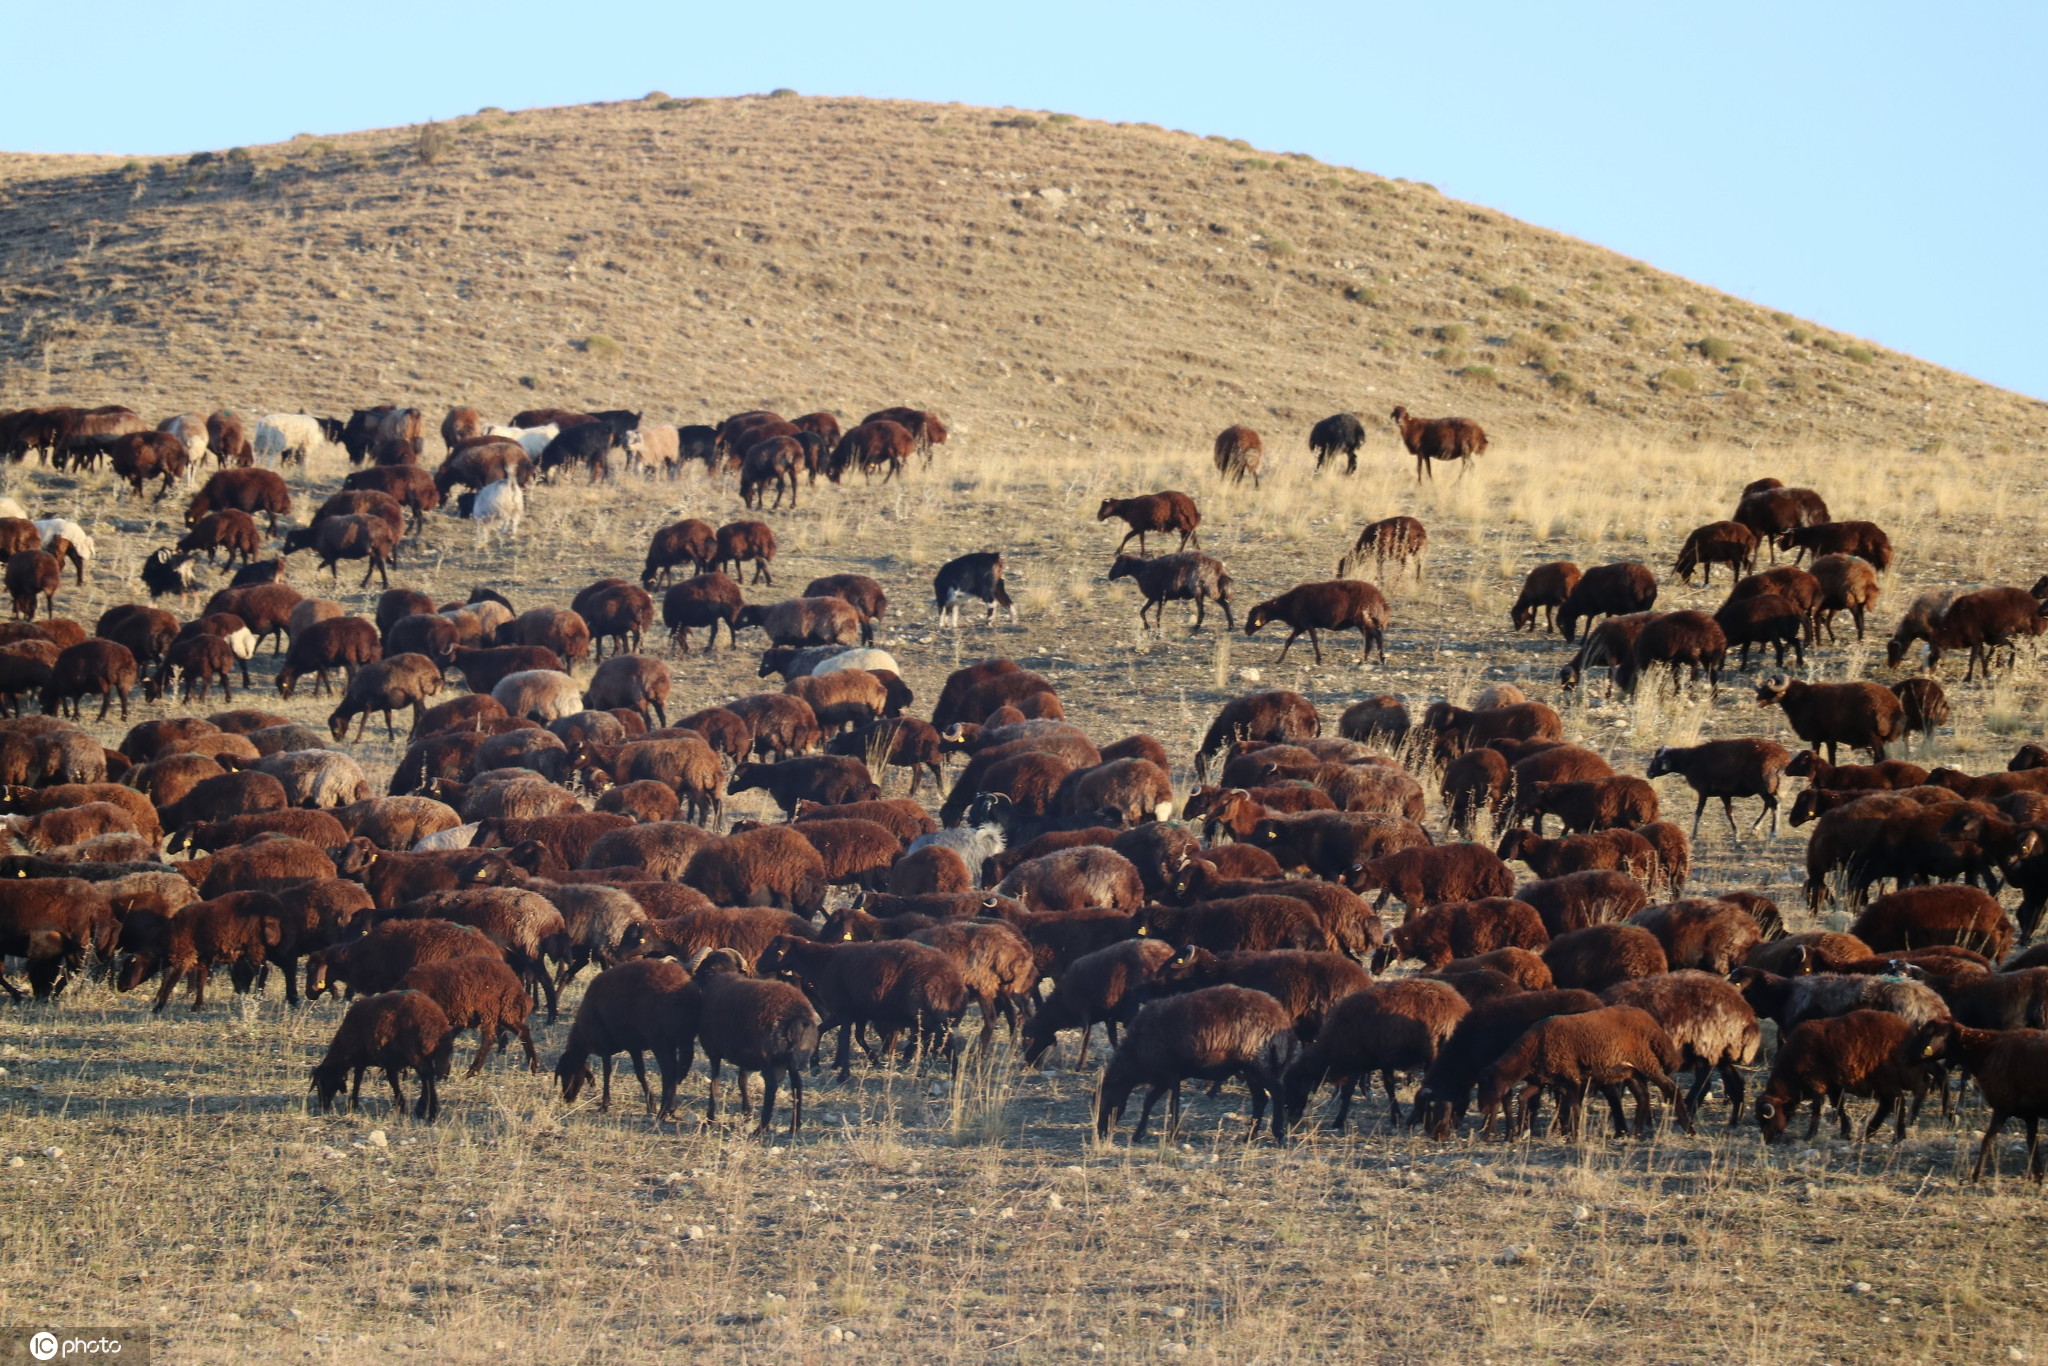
<point x="497" y="507"/>
<point x="456" y="837"/>
<point x="533" y="440"/>
<point x="10" y="508"/>
<point x="541" y="695"/>
<point x="858" y="658"/>
<point x="282" y="436"/>
<point x="319" y="778"/>
<point x="189" y="428"/>
<point x="975" y="844"/>
<point x="73" y="534"/>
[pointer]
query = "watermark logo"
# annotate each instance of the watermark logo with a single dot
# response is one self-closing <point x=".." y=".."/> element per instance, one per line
<point x="129" y="1346"/>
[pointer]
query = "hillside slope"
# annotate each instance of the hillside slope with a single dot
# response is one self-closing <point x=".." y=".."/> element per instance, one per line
<point x="1094" y="281"/>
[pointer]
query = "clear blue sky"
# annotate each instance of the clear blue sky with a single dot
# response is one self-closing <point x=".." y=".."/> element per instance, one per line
<point x="1876" y="167"/>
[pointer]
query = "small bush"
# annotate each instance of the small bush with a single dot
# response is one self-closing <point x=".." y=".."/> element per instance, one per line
<point x="1484" y="372"/>
<point x="1562" y="382"/>
<point x="1453" y="333"/>
<point x="601" y="346"/>
<point x="1693" y="311"/>
<point x="1799" y="336"/>
<point x="1514" y="295"/>
<point x="238" y="154"/>
<point x="1021" y="121"/>
<point x="432" y="144"/>
<point x="1862" y="355"/>
<point x="200" y="159"/>
<point x="320" y="149"/>
<point x="1360" y="294"/>
<point x="1634" y="322"/>
<point x="781" y="92"/>
<point x="489" y="109"/>
<point x="1558" y="332"/>
<point x="1681" y="380"/>
<point x="1827" y="344"/>
<point x="1255" y="164"/>
<point x="1716" y="349"/>
<point x="1239" y="143"/>
<point x="1059" y="118"/>
<point x="654" y="97"/>
<point x="1279" y="248"/>
<point x="1782" y="319"/>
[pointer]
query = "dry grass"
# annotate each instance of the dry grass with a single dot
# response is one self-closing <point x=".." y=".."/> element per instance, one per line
<point x="978" y="1220"/>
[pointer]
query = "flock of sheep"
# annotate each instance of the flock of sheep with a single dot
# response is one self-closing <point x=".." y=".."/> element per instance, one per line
<point x="539" y="824"/>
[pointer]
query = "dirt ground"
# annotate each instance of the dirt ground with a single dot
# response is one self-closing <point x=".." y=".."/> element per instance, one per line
<point x="170" y="1174"/>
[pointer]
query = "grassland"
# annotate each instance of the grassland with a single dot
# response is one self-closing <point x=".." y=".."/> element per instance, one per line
<point x="816" y="254"/>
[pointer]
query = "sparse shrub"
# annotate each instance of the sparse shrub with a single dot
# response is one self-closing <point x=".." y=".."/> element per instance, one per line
<point x="489" y="109"/>
<point x="1360" y="294"/>
<point x="1239" y="143"/>
<point x="601" y="346"/>
<point x="781" y="92"/>
<point x="1279" y="247"/>
<point x="198" y="159"/>
<point x="1680" y="380"/>
<point x="1451" y="333"/>
<point x="1558" y="331"/>
<point x="1514" y="295"/>
<point x="432" y="144"/>
<point x="320" y="149"/>
<point x="1255" y="164"/>
<point x="1694" y="311"/>
<point x="1799" y="336"/>
<point x="1934" y="445"/>
<point x="238" y="154"/>
<point x="1781" y="319"/>
<point x="655" y="97"/>
<point x="1827" y="344"/>
<point x="1633" y="322"/>
<point x="1485" y="372"/>
<point x="1059" y="118"/>
<point x="1862" y="355"/>
<point x="1563" y="382"/>
<point x="1716" y="349"/>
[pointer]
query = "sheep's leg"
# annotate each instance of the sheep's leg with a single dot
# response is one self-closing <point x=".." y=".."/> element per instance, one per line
<point x="1985" y="1149"/>
<point x="717" y="1066"/>
<point x="397" y="1092"/>
<point x="770" y="1080"/>
<point x="604" y="1099"/>
<point x="486" y="1034"/>
<point x="1152" y="1095"/>
<point x="355" y="1090"/>
<point x="429" y="1107"/>
<point x="1315" y="644"/>
<point x="1292" y="636"/>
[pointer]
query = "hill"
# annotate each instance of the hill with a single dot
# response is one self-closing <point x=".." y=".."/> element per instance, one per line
<point x="1092" y="281"/>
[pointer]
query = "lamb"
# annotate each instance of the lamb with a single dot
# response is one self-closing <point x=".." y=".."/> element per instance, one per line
<point x="1476" y="1042"/>
<point x="1187" y="576"/>
<point x="1433" y="875"/>
<point x="1727" y="769"/>
<point x="89" y="667"/>
<point x="1729" y="543"/>
<point x="1864" y="540"/>
<point x="1104" y="987"/>
<point x="892" y="984"/>
<point x="2008" y="1066"/>
<point x="1598" y="956"/>
<point x="1438" y="934"/>
<point x="978" y="575"/>
<point x="1400" y="539"/>
<point x="639" y="1007"/>
<point x="1394" y="1026"/>
<point x="1711" y="935"/>
<point x="1567" y="1054"/>
<point x="398" y="1031"/>
<point x="1430" y="439"/>
<point x="1862" y="1053"/>
<point x="1607" y="590"/>
<point x="1578" y="900"/>
<point x="1212" y="1034"/>
<point x="1861" y="715"/>
<point x="765" y="1027"/>
<point x="703" y="601"/>
<point x="741" y="543"/>
<point x="773" y="866"/>
<point x="1337" y="605"/>
<point x="1171" y="511"/>
<point x="1546" y="588"/>
<point x="481" y="993"/>
<point x="1921" y="620"/>
<point x="495" y="509"/>
<point x="1916" y="917"/>
<point x="1274" y="716"/>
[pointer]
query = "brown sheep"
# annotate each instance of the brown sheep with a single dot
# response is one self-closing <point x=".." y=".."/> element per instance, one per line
<point x="379" y="960"/>
<point x="1458" y="730"/>
<point x="1606" y="590"/>
<point x="1578" y="900"/>
<point x="1622" y="802"/>
<point x="1104" y="987"/>
<point x="31" y="574"/>
<point x="1619" y="849"/>
<point x="1337" y="605"/>
<point x="1567" y="1054"/>
<point x="691" y="541"/>
<point x="1917" y="917"/>
<point x="827" y="779"/>
<point x="1714" y="1029"/>
<point x="1073" y="879"/>
<point x="1212" y="1034"/>
<point x="774" y="866"/>
<point x="997" y="966"/>
<point x="645" y="1006"/>
<point x="892" y="984"/>
<point x="2008" y="1066"/>
<point x="344" y="643"/>
<point x="90" y="667"/>
<point x="1256" y="922"/>
<point x="1400" y="539"/>
<point x="1430" y="439"/>
<point x="1864" y="540"/>
<point x="1713" y="936"/>
<point x="1598" y="956"/>
<point x="1729" y="543"/>
<point x="1433" y="875"/>
<point x="1847" y="583"/>
<point x="1382" y="719"/>
<point x="1390" y="1027"/>
<point x="251" y="491"/>
<point x="1981" y="622"/>
<point x="479" y="993"/>
<point x="1925" y="707"/>
<point x="393" y="684"/>
<point x="52" y="923"/>
<point x="1772" y="513"/>
<point x="1862" y="1053"/>
<point x="1546" y="588"/>
<point x="1170" y="511"/>
<point x="1238" y="452"/>
<point x="1328" y="842"/>
<point x="1306" y="984"/>
<point x="1439" y="934"/>
<point x="740" y="543"/>
<point x="1727" y="769"/>
<point x="764" y="1027"/>
<point x="1764" y="620"/>
<point x="1861" y="715"/>
<point x="398" y="1031"/>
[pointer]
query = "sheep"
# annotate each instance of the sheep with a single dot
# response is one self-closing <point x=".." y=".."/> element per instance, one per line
<point x="32" y="574"/>
<point x="64" y="539"/>
<point x="1688" y="639"/>
<point x="1714" y="1029"/>
<point x="262" y="609"/>
<point x="1187" y="576"/>
<point x="1457" y="730"/>
<point x="410" y="486"/>
<point x="1274" y="716"/>
<point x="1307" y="984"/>
<point x="902" y="742"/>
<point x="765" y="1027"/>
<point x="1861" y="715"/>
<point x="1104" y="987"/>
<point x="1794" y="953"/>
<point x="858" y="591"/>
<point x="892" y="984"/>
<point x="1171" y="511"/>
<point x="1430" y="439"/>
<point x="392" y="684"/>
<point x="1327" y="843"/>
<point x="1772" y="513"/>
<point x="1238" y="452"/>
<point x="1619" y="849"/>
<point x="829" y="779"/>
<point x="1711" y="935"/>
<point x="1981" y="622"/>
<point x="1864" y="540"/>
<point x="2008" y="1066"/>
<point x="1090" y="876"/>
<point x="89" y="667"/>
<point x="633" y="681"/>
<point x="1337" y="605"/>
<point x="1400" y="539"/>
<point x="1212" y="1034"/>
<point x="703" y="601"/>
<point x="643" y="1006"/>
<point x="1522" y="969"/>
<point x="538" y="694"/>
<point x="934" y="868"/>
<point x="1393" y="1026"/>
<point x="1567" y="1054"/>
<point x="978" y="575"/>
<point x="396" y="822"/>
<point x="1596" y="804"/>
<point x="616" y="611"/>
<point x="803" y="621"/>
<point x="344" y="643"/>
<point x="684" y="763"/>
<point x="1598" y="956"/>
<point x="1727" y="769"/>
<point x="2012" y="998"/>
<point x="132" y="800"/>
<point x="526" y="929"/>
<point x="773" y="866"/>
<point x="1607" y="590"/>
<point x="997" y="966"/>
<point x="1924" y="705"/>
<point x="355" y="536"/>
<point x="532" y="440"/>
<point x="1862" y="1053"/>
<point x="691" y="541"/>
<point x="780" y="725"/>
<point x="52" y="922"/>
<point x="1438" y="934"/>
<point x="479" y="993"/>
<point x="978" y="846"/>
<point x="739" y="543"/>
<point x="841" y="699"/>
<point x="288" y="436"/>
<point x="316" y="778"/>
<point x="1433" y="875"/>
<point x="1916" y="917"/>
<point x="1547" y="587"/>
<point x="1847" y="583"/>
<point x="1126" y="791"/>
<point x="61" y="826"/>
<point x="1578" y="900"/>
<point x="1476" y="1042"/>
<point x="1261" y="922"/>
<point x="1920" y="621"/>
<point x="1729" y="543"/>
<point x="1824" y="995"/>
<point x="496" y="508"/>
<point x="249" y="490"/>
<point x="398" y="1031"/>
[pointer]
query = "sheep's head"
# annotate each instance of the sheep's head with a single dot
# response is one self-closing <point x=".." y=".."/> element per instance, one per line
<point x="1109" y="510"/>
<point x="1660" y="764"/>
<point x="1771" y="690"/>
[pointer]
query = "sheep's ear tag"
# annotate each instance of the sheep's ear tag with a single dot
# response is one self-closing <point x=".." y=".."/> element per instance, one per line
<point x="848" y="934"/>
<point x="1144" y="931"/>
